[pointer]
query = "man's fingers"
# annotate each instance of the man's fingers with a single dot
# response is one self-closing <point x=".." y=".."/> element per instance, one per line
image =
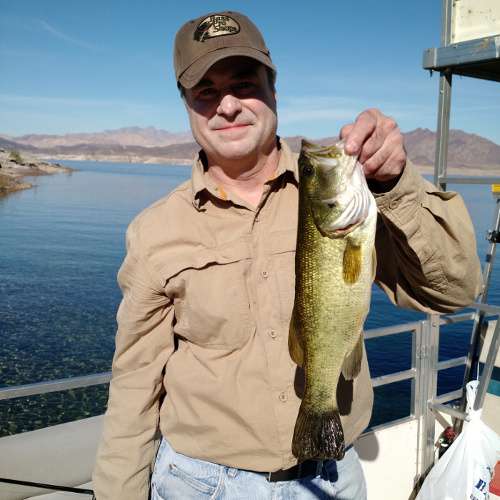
<point x="345" y="131"/>
<point x="386" y="130"/>
<point x="363" y="127"/>
<point x="388" y="161"/>
<point x="370" y="147"/>
<point x="391" y="169"/>
<point x="372" y="166"/>
<point x="377" y="141"/>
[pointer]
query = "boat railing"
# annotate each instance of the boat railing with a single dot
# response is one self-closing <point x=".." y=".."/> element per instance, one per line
<point x="425" y="366"/>
<point x="423" y="373"/>
<point x="63" y="384"/>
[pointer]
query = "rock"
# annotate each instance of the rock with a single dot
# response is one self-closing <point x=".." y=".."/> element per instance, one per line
<point x="15" y="167"/>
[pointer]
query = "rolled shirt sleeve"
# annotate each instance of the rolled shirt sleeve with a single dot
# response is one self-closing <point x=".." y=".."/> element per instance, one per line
<point x="426" y="246"/>
<point x="144" y="342"/>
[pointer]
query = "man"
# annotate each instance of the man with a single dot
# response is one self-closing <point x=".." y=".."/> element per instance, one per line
<point x="208" y="284"/>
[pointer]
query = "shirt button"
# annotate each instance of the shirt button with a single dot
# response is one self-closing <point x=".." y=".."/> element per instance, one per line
<point x="265" y="274"/>
<point x="283" y="397"/>
<point x="393" y="204"/>
<point x="273" y="334"/>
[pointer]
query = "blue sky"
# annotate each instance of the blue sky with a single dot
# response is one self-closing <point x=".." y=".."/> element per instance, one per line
<point x="88" y="66"/>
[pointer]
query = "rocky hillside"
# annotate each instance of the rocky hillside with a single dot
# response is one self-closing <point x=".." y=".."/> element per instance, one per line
<point x="128" y="136"/>
<point x="465" y="149"/>
<point x="158" y="146"/>
<point x="14" y="166"/>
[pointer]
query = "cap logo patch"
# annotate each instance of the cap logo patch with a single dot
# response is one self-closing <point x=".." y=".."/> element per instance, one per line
<point x="216" y="25"/>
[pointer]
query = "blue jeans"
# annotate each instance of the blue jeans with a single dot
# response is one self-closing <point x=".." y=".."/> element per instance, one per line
<point x="178" y="477"/>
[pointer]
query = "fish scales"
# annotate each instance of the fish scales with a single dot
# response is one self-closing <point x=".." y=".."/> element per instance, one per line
<point x="335" y="268"/>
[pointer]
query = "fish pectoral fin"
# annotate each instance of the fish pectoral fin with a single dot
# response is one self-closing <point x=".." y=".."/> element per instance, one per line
<point x="352" y="362"/>
<point x="351" y="265"/>
<point x="374" y="263"/>
<point x="294" y="343"/>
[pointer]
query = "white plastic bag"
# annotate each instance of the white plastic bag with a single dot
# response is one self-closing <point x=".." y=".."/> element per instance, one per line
<point x="465" y="470"/>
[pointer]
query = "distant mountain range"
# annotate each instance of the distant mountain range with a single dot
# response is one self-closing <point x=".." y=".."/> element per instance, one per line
<point x="151" y="145"/>
<point x="128" y="136"/>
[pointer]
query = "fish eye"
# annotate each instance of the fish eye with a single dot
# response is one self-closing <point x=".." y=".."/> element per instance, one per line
<point x="308" y="170"/>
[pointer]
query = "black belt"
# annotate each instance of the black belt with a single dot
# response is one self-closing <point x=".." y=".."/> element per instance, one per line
<point x="304" y="469"/>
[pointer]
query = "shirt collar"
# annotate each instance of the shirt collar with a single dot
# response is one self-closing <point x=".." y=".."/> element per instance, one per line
<point x="201" y="181"/>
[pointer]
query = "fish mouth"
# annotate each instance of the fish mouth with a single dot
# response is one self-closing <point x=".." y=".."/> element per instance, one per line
<point x="341" y="232"/>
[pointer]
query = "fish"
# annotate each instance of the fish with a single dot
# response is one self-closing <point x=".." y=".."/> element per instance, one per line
<point x="335" y="264"/>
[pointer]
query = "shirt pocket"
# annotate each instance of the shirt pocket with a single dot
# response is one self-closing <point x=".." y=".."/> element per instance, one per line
<point x="282" y="246"/>
<point x="211" y="299"/>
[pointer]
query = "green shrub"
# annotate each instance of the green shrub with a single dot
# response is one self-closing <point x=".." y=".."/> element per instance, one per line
<point x="15" y="156"/>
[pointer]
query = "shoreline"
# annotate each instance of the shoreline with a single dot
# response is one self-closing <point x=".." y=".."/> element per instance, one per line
<point x="490" y="171"/>
<point x="15" y="166"/>
<point x="493" y="171"/>
<point x="121" y="159"/>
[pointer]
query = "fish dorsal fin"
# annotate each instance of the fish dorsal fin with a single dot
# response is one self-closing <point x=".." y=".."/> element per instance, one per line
<point x="351" y="266"/>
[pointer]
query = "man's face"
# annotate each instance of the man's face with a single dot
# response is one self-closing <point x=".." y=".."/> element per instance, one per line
<point x="232" y="111"/>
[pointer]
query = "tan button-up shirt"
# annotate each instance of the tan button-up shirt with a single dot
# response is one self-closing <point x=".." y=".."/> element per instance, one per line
<point x="208" y="290"/>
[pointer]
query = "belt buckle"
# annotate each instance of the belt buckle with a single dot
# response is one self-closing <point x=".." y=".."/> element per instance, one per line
<point x="320" y="467"/>
<point x="296" y="472"/>
<point x="314" y="467"/>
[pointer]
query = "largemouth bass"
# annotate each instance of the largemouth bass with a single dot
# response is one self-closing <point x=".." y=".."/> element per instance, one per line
<point x="335" y="267"/>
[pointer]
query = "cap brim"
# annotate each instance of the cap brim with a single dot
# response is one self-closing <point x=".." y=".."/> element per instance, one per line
<point x="197" y="70"/>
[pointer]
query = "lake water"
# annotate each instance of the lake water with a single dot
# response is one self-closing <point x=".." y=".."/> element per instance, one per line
<point x="62" y="243"/>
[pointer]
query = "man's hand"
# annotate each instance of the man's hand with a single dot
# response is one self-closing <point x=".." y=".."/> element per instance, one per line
<point x="377" y="140"/>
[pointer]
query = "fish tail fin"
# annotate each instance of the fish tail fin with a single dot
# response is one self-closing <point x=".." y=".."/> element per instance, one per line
<point x="352" y="362"/>
<point x="318" y="436"/>
<point x="294" y="345"/>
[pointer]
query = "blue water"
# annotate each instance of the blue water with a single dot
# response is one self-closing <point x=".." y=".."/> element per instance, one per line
<point x="62" y="243"/>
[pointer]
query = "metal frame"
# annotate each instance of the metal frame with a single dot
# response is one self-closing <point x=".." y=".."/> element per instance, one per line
<point x="478" y="58"/>
<point x="445" y="80"/>
<point x="475" y="340"/>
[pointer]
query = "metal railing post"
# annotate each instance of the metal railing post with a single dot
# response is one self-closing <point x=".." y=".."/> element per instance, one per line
<point x="416" y="348"/>
<point x="443" y="124"/>
<point x="443" y="128"/>
<point x="488" y="367"/>
<point x="417" y="400"/>
<point x="429" y="362"/>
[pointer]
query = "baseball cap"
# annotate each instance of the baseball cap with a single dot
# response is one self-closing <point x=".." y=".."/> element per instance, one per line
<point x="202" y="42"/>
